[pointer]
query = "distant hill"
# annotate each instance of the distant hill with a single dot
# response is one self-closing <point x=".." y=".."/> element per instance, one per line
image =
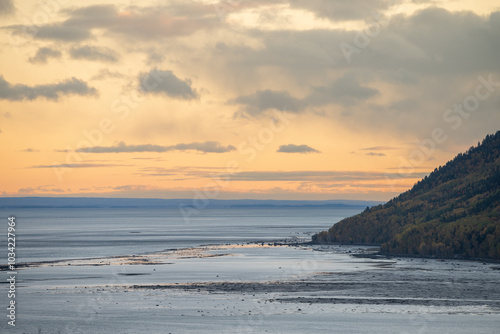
<point x="96" y="202"/>
<point x="453" y="212"/>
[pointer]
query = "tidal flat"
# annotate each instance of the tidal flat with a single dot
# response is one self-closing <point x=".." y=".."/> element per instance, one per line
<point x="258" y="288"/>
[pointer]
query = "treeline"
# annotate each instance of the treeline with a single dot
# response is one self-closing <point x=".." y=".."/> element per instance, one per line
<point x="453" y="212"/>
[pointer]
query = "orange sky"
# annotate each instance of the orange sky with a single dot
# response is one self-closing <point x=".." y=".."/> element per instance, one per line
<point x="242" y="99"/>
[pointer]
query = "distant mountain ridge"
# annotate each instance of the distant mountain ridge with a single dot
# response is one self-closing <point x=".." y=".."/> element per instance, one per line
<point x="453" y="212"/>
<point x="97" y="202"/>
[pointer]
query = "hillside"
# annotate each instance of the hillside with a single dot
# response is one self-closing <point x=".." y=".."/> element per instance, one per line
<point x="453" y="212"/>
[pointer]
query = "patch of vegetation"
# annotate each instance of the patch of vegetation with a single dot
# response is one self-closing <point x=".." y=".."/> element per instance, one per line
<point x="453" y="212"/>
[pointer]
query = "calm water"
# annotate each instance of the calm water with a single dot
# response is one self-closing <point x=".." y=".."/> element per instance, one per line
<point x="50" y="234"/>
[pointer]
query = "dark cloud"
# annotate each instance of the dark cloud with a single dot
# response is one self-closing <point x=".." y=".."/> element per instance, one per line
<point x="43" y="54"/>
<point x="149" y="23"/>
<point x="406" y="105"/>
<point x="205" y="147"/>
<point x="375" y="154"/>
<point x="167" y="83"/>
<point x="344" y="91"/>
<point x="58" y="32"/>
<point x="460" y="42"/>
<point x="340" y="10"/>
<point x="291" y="148"/>
<point x="7" y="7"/>
<point x="30" y="150"/>
<point x="402" y="52"/>
<point x="20" y="92"/>
<point x="94" y="53"/>
<point x="399" y="76"/>
<point x="303" y="54"/>
<point x="417" y="74"/>
<point x="267" y="99"/>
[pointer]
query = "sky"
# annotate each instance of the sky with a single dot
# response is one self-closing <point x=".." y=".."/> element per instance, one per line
<point x="284" y="99"/>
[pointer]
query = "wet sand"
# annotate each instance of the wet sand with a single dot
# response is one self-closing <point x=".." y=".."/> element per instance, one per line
<point x="403" y="281"/>
<point x="258" y="288"/>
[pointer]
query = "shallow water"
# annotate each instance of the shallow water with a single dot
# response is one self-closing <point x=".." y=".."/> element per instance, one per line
<point x="169" y="281"/>
<point x="50" y="234"/>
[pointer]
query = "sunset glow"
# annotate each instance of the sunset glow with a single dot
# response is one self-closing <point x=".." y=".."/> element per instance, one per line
<point x="241" y="99"/>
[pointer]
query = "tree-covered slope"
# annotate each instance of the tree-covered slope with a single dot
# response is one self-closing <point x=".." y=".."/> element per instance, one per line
<point x="453" y="212"/>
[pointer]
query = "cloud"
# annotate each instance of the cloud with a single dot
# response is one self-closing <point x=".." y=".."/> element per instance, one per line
<point x="43" y="54"/>
<point x="379" y="148"/>
<point x="322" y="176"/>
<point x="460" y="42"/>
<point x="56" y="32"/>
<point x="291" y="148"/>
<point x="106" y="73"/>
<point x="374" y="154"/>
<point x="205" y="147"/>
<point x="143" y="23"/>
<point x="403" y="51"/>
<point x="30" y="150"/>
<point x="78" y="165"/>
<point x="167" y="83"/>
<point x="340" y="10"/>
<point x="94" y="53"/>
<point x="405" y="105"/>
<point x="131" y="188"/>
<point x="155" y="58"/>
<point x="7" y="7"/>
<point x="344" y="91"/>
<point x="413" y="76"/>
<point x="264" y="100"/>
<point x="36" y="190"/>
<point x="20" y="92"/>
<point x="185" y="172"/>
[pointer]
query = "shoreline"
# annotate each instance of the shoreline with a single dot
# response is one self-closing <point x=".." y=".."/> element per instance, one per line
<point x="415" y="256"/>
<point x="372" y="251"/>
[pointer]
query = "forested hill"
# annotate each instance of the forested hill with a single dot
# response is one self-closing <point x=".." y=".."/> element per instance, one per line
<point x="453" y="212"/>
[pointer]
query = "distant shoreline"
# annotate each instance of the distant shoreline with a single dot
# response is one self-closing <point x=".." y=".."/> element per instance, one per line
<point x="122" y="203"/>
